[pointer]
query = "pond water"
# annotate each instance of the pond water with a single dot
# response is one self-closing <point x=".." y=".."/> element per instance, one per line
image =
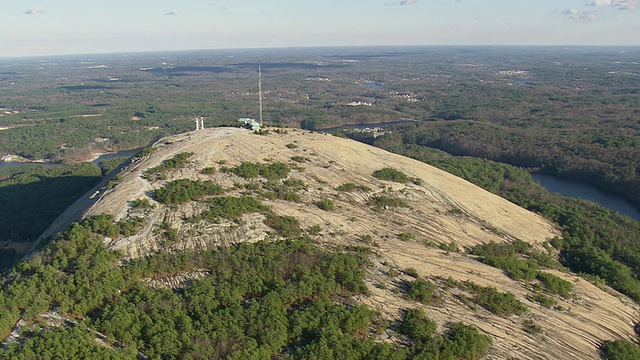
<point x="125" y="153"/>
<point x="583" y="190"/>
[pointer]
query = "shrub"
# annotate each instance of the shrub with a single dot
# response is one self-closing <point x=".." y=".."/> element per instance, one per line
<point x="461" y="342"/>
<point x="502" y="250"/>
<point x="291" y="146"/>
<point x="254" y="186"/>
<point x="246" y="170"/>
<point x="299" y="159"/>
<point x="109" y="165"/>
<point x="417" y="326"/>
<point x="406" y="236"/>
<point x="366" y="238"/>
<point x="339" y="134"/>
<point x="249" y="170"/>
<point x="182" y="190"/>
<point x="421" y="290"/>
<point x="231" y="207"/>
<point x="287" y="190"/>
<point x="395" y="175"/>
<point x="275" y="171"/>
<point x="104" y="224"/>
<point x="297" y="183"/>
<point x="208" y="171"/>
<point x="620" y="350"/>
<point x="112" y="183"/>
<point x="287" y="226"/>
<point x="516" y="269"/>
<point x="501" y="304"/>
<point x="531" y="327"/>
<point x="171" y="234"/>
<point x="544" y="300"/>
<point x="554" y="284"/>
<point x="391" y="174"/>
<point x="283" y="194"/>
<point x="352" y="187"/>
<point x="452" y="246"/>
<point x="315" y="230"/>
<point x="545" y="260"/>
<point x="145" y="152"/>
<point x="464" y="342"/>
<point x="383" y="202"/>
<point x="142" y="203"/>
<point x="326" y="204"/>
<point x="176" y="162"/>
<point x="412" y="272"/>
<point x="130" y="227"/>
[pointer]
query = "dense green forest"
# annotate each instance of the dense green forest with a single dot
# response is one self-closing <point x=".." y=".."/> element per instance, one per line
<point x="289" y="299"/>
<point x="572" y="112"/>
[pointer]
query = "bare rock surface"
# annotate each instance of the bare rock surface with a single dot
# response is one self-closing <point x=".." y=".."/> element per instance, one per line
<point x="441" y="209"/>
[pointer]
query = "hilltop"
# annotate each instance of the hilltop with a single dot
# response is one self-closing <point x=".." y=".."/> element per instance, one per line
<point x="416" y="222"/>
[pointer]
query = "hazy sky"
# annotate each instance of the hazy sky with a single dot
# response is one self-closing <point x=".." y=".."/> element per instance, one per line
<point x="45" y="27"/>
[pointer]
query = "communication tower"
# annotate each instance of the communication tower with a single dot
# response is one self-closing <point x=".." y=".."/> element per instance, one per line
<point x="260" y="91"/>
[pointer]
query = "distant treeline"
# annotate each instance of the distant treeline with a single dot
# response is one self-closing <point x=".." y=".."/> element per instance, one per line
<point x="611" y="162"/>
<point x="561" y="110"/>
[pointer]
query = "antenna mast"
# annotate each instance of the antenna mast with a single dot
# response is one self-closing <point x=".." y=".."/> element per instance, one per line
<point x="260" y="92"/>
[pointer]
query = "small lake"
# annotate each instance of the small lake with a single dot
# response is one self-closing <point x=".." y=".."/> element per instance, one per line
<point x="583" y="190"/>
<point x="125" y="153"/>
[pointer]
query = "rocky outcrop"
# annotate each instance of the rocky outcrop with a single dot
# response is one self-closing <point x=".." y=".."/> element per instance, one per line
<point x="440" y="209"/>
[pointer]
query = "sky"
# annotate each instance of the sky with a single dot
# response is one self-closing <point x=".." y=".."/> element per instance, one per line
<point x="53" y="27"/>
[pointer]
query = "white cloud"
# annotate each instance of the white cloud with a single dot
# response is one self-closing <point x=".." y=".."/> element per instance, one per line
<point x="620" y="4"/>
<point x="36" y="10"/>
<point x="401" y="3"/>
<point x="172" y="13"/>
<point x="576" y="14"/>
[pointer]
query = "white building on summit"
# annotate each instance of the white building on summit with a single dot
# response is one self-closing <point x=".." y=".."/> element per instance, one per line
<point x="250" y="123"/>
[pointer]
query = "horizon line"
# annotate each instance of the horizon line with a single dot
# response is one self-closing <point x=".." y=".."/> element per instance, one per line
<point x="134" y="52"/>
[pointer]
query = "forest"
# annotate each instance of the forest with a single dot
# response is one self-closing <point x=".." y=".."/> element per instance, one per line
<point x="571" y="112"/>
<point x="289" y="299"/>
<point x="489" y="115"/>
